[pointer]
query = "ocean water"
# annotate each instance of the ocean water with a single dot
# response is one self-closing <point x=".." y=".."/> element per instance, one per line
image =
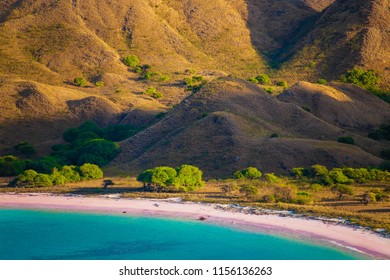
<point x="51" y="235"/>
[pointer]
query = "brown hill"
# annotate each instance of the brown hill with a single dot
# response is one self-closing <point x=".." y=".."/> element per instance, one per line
<point x="350" y="33"/>
<point x="343" y="105"/>
<point x="228" y="126"/>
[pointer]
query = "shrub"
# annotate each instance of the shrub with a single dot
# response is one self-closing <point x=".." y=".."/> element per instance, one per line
<point x="316" y="187"/>
<point x="269" y="198"/>
<point x="306" y="108"/>
<point x="253" y="80"/>
<point x="346" y="140"/>
<point x="90" y="171"/>
<point x="80" y="82"/>
<point x="151" y="91"/>
<point x="45" y="164"/>
<point x="70" y="173"/>
<point x="26" y="179"/>
<point x="131" y="61"/>
<point x="269" y="91"/>
<point x="274" y="135"/>
<point x="366" y="79"/>
<point x="321" y="174"/>
<point x="248" y="173"/>
<point x="338" y="176"/>
<point x="25" y="148"/>
<point x="99" y="84"/>
<point x="303" y="200"/>
<point x="43" y="180"/>
<point x="57" y="178"/>
<point x="285" y="193"/>
<point x="272" y="178"/>
<point x="263" y="79"/>
<point x="322" y="81"/>
<point x="282" y="84"/>
<point x="195" y="83"/>
<point x="297" y="172"/>
<point x="11" y="166"/>
<point x="97" y="151"/>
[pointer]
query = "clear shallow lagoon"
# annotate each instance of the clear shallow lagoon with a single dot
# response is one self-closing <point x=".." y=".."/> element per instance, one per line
<point x="49" y="235"/>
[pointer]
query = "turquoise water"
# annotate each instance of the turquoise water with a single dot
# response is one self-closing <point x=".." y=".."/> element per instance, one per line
<point x="49" y="235"/>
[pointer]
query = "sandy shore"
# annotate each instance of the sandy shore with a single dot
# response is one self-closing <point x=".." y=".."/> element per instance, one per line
<point x="338" y="235"/>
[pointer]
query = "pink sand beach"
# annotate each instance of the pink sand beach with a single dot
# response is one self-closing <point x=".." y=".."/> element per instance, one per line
<point x="360" y="240"/>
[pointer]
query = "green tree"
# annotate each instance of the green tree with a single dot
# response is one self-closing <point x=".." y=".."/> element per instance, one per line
<point x="90" y="171"/>
<point x="188" y="178"/>
<point x="25" y="148"/>
<point x="97" y="151"/>
<point x="131" y="61"/>
<point x="11" y="166"/>
<point x="248" y="173"/>
<point x="43" y="180"/>
<point x="337" y="176"/>
<point x="26" y="179"/>
<point x="70" y="173"/>
<point x="367" y="79"/>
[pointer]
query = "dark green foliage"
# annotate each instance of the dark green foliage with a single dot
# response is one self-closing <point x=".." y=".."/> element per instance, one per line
<point x="346" y="140"/>
<point x="383" y="133"/>
<point x="282" y="84"/>
<point x="97" y="151"/>
<point x="274" y="135"/>
<point x="131" y="61"/>
<point x="269" y="91"/>
<point x="25" y="148"/>
<point x="385" y="154"/>
<point x="165" y="178"/>
<point x="382" y="94"/>
<point x="322" y="81"/>
<point x="248" y="190"/>
<point x="80" y="82"/>
<point x="306" y="108"/>
<point x="366" y="79"/>
<point x="90" y="171"/>
<point x="253" y="80"/>
<point x="11" y="166"/>
<point x="44" y="164"/>
<point x="248" y="173"/>
<point x="263" y="79"/>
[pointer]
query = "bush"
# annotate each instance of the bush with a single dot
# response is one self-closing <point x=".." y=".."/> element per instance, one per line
<point x="80" y="82"/>
<point x="151" y="91"/>
<point x="366" y="79"/>
<point x="274" y="135"/>
<point x="43" y="180"/>
<point x="253" y="80"/>
<point x="11" y="166"/>
<point x="272" y="178"/>
<point x="70" y="173"/>
<point x="269" y="91"/>
<point x="263" y="79"/>
<point x="285" y="193"/>
<point x="195" y="83"/>
<point x="337" y="176"/>
<point x="90" y="171"/>
<point x="25" y="148"/>
<point x="303" y="200"/>
<point x="97" y="151"/>
<point x="316" y="187"/>
<point x="26" y="179"/>
<point x="269" y="198"/>
<point x="322" y="81"/>
<point x="282" y="84"/>
<point x="321" y="174"/>
<point x="57" y="178"/>
<point x="346" y="140"/>
<point x="298" y="172"/>
<point x="248" y="173"/>
<point x="131" y="61"/>
<point x="99" y="84"/>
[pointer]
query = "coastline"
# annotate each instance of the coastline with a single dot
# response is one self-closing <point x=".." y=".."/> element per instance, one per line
<point x="336" y="235"/>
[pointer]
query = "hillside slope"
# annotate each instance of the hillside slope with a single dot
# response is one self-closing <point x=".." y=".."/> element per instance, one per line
<point x="228" y="126"/>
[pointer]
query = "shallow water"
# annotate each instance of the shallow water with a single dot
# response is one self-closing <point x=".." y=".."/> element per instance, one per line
<point x="51" y="235"/>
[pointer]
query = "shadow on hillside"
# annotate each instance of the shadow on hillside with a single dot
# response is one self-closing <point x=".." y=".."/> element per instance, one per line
<point x="276" y="26"/>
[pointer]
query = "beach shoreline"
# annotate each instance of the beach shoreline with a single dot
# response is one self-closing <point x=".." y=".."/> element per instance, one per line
<point x="319" y="231"/>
